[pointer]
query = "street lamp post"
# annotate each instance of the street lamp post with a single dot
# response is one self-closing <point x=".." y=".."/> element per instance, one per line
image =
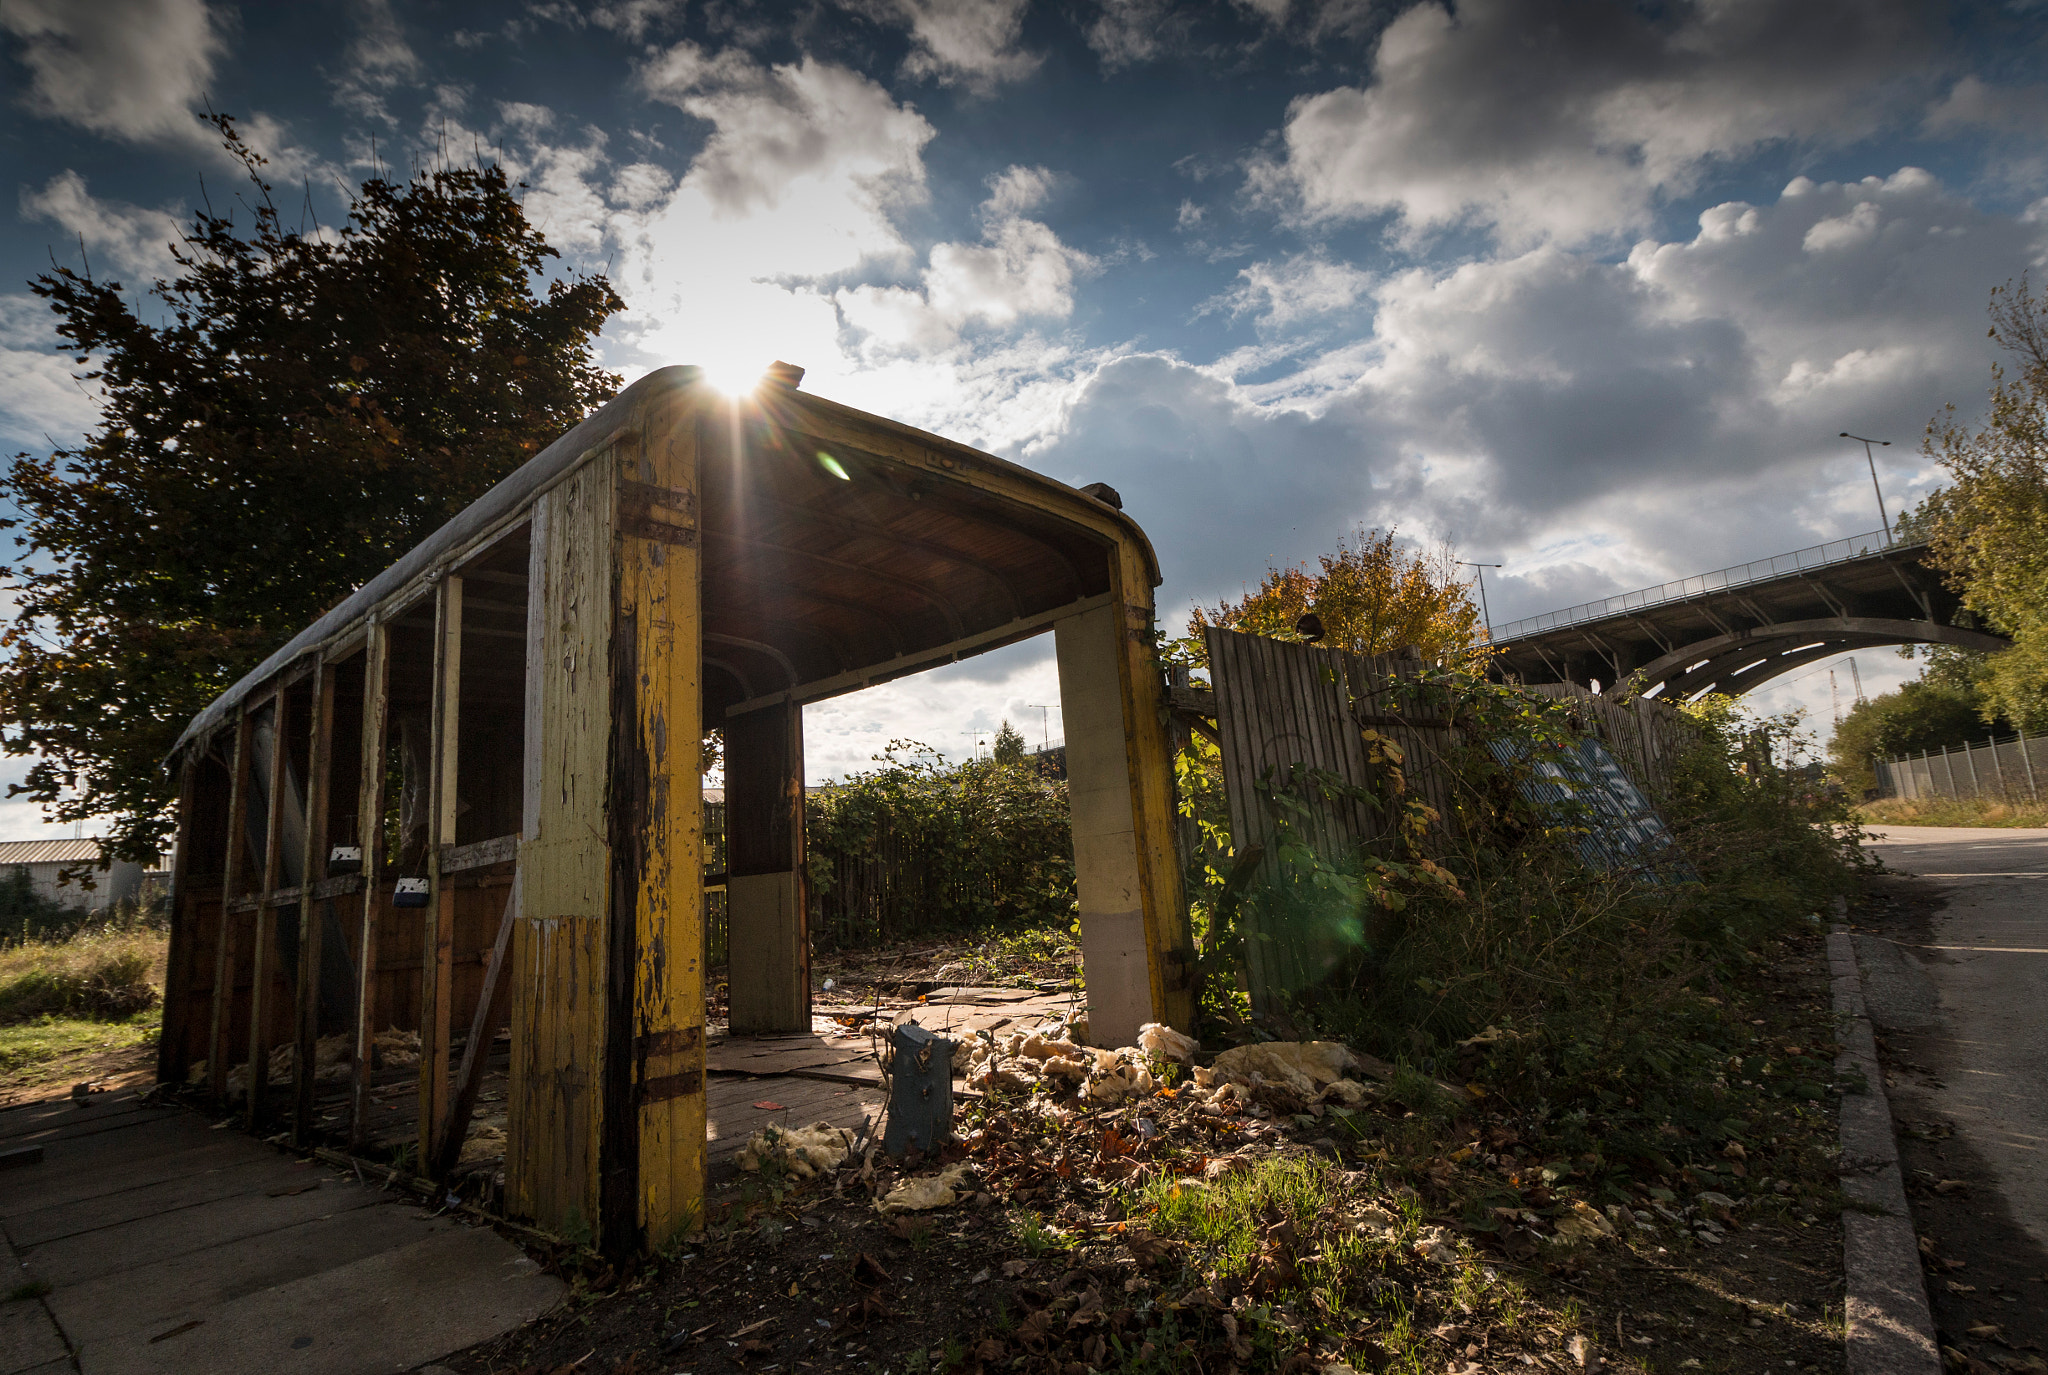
<point x="1871" y="459"/>
<point x="1481" y="568"/>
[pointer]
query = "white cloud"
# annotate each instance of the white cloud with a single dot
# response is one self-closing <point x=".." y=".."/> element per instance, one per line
<point x="1019" y="270"/>
<point x="966" y="42"/>
<point x="379" y="61"/>
<point x="1564" y="121"/>
<point x="41" y="400"/>
<point x="133" y="241"/>
<point x="128" y="69"/>
<point x="1293" y="291"/>
<point x="775" y="129"/>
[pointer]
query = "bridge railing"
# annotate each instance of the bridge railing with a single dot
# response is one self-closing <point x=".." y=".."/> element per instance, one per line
<point x="1742" y="575"/>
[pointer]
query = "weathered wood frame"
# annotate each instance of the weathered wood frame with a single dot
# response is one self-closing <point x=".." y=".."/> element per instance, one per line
<point x="600" y="952"/>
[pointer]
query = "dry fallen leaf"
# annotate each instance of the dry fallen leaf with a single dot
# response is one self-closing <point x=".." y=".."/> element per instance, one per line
<point x="1580" y="1350"/>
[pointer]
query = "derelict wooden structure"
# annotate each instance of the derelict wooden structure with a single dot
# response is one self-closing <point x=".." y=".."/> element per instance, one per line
<point x="507" y="725"/>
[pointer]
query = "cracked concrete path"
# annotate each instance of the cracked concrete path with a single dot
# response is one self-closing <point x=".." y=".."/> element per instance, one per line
<point x="162" y="1243"/>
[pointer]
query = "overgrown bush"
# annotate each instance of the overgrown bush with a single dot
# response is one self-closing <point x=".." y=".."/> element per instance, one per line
<point x="1482" y="943"/>
<point x="102" y="974"/>
<point x="920" y="845"/>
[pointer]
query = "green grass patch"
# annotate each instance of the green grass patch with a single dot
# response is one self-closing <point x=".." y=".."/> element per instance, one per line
<point x="25" y="1046"/>
<point x="1951" y="811"/>
<point x="1230" y="1217"/>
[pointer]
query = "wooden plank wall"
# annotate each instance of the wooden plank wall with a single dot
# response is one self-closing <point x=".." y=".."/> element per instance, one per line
<point x="1282" y="703"/>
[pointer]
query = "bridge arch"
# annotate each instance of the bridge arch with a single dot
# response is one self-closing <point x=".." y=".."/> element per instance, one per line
<point x="1738" y="628"/>
<point x="1746" y="660"/>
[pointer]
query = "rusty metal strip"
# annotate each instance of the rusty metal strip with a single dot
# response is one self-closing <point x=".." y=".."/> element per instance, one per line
<point x="672" y="1086"/>
<point x="667" y="515"/>
<point x="677" y="1041"/>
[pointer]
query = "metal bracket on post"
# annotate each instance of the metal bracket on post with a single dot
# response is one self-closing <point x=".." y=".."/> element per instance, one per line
<point x="920" y="1091"/>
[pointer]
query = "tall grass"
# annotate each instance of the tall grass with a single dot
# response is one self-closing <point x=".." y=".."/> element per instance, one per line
<point x="104" y="974"/>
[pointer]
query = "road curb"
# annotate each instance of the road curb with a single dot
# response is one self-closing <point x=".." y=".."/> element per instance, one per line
<point x="1889" y="1327"/>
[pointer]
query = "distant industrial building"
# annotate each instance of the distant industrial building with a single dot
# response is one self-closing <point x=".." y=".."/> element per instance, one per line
<point x="45" y="860"/>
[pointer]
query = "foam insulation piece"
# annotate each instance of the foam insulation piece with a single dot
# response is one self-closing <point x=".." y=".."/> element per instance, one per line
<point x="805" y="1152"/>
<point x="1304" y="1066"/>
<point x="941" y="1190"/>
<point x="1156" y="1038"/>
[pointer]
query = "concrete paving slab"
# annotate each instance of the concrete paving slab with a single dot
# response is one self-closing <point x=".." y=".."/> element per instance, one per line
<point x="242" y="1175"/>
<point x="156" y="1298"/>
<point x="390" y="1312"/>
<point x="168" y="1236"/>
<point x="28" y="1338"/>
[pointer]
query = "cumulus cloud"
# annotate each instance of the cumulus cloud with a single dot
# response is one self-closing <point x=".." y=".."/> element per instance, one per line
<point x="134" y="241"/>
<point x="1019" y="269"/>
<point x="1597" y="424"/>
<point x="128" y="69"/>
<point x="776" y="127"/>
<point x="966" y="42"/>
<point x="1571" y="122"/>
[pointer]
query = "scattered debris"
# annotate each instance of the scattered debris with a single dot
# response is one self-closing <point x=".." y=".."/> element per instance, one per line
<point x="941" y="1190"/>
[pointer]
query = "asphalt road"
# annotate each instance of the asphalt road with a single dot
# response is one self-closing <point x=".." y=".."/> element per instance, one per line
<point x="1958" y="989"/>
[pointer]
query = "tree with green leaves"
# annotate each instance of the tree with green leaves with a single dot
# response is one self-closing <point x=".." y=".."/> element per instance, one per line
<point x="287" y="416"/>
<point x="1009" y="745"/>
<point x="1942" y="708"/>
<point x="1989" y="526"/>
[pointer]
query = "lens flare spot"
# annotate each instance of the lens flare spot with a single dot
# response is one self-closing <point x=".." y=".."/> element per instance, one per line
<point x="833" y="466"/>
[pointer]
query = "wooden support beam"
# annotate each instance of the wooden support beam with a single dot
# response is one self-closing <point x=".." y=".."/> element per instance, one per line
<point x="768" y="937"/>
<point x="231" y="883"/>
<point x="652" y="1146"/>
<point x="172" y="1041"/>
<point x="312" y="864"/>
<point x="437" y="940"/>
<point x="263" y="946"/>
<point x="483" y="1030"/>
<point x="370" y="832"/>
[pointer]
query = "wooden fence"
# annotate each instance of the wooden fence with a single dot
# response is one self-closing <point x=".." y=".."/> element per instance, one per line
<point x="1283" y="707"/>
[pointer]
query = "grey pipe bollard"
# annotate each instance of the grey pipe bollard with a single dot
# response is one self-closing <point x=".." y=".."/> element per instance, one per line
<point x="920" y="1091"/>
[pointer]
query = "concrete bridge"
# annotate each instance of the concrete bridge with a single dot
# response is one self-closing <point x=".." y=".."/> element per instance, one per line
<point x="1738" y="628"/>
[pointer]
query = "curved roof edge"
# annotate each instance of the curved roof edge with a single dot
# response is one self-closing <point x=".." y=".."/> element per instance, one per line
<point x="514" y="492"/>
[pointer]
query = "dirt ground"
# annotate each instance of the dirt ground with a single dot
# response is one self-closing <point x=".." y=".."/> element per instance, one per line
<point x="1055" y="1258"/>
<point x="1986" y="1278"/>
<point x="105" y="1069"/>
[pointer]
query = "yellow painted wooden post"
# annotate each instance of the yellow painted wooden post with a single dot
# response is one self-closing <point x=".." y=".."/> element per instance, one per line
<point x="1136" y="952"/>
<point x="558" y="946"/>
<point x="654" y="1066"/>
<point x="370" y="835"/>
<point x="437" y="942"/>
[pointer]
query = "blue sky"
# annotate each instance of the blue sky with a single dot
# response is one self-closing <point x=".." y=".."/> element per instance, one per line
<point x="1584" y="288"/>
